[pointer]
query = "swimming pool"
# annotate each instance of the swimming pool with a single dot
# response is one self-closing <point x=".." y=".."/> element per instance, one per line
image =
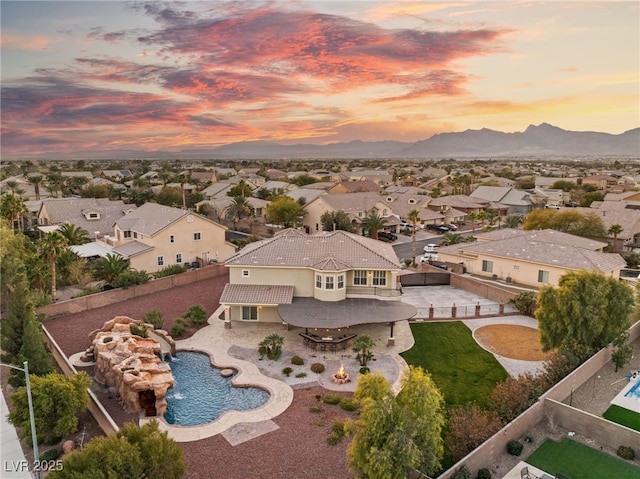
<point x="200" y="394"/>
<point x="634" y="392"/>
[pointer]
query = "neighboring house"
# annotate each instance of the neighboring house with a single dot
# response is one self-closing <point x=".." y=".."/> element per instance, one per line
<point x="624" y="213"/>
<point x="380" y="177"/>
<point x="516" y="201"/>
<point x="601" y="182"/>
<point x="306" y="194"/>
<point x="531" y="258"/>
<point x="116" y="175"/>
<point x="329" y="280"/>
<point x="278" y="187"/>
<point x="217" y="190"/>
<point x="356" y="205"/>
<point x="96" y="215"/>
<point x="220" y="205"/>
<point x="355" y="187"/>
<point x="155" y="236"/>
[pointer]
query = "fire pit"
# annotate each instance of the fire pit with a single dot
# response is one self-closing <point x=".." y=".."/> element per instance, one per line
<point x="340" y="377"/>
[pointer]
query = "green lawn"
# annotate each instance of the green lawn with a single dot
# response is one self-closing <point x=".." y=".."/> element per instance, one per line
<point x="463" y="371"/>
<point x="623" y="416"/>
<point x="578" y="461"/>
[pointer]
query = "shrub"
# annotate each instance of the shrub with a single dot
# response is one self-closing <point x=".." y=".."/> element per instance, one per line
<point x="332" y="399"/>
<point x="170" y="270"/>
<point x="138" y="330"/>
<point x="130" y="278"/>
<point x="87" y="291"/>
<point x="462" y="473"/>
<point x="514" y="448"/>
<point x="287" y="371"/>
<point x="348" y="404"/>
<point x="338" y="428"/>
<point x="297" y="360"/>
<point x="315" y="409"/>
<point x="51" y="439"/>
<point x="301" y="375"/>
<point x="484" y="473"/>
<point x="271" y="347"/>
<point x="525" y="302"/>
<point x="334" y="439"/>
<point x="179" y="327"/>
<point x="50" y="455"/>
<point x="625" y="452"/>
<point x="154" y="317"/>
<point x="364" y="370"/>
<point x="317" y="368"/>
<point x="196" y="314"/>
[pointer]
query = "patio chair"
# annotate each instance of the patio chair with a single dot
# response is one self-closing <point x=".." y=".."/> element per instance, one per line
<point x="525" y="474"/>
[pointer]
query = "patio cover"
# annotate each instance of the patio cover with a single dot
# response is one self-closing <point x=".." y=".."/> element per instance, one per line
<point x="313" y="313"/>
<point x="260" y="294"/>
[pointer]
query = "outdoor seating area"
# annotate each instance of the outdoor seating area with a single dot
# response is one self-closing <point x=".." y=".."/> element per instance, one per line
<point x="327" y="343"/>
<point x="525" y="473"/>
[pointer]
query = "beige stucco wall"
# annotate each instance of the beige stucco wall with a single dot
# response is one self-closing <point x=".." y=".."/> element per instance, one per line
<point x="211" y="245"/>
<point x="266" y="314"/>
<point x="520" y="272"/>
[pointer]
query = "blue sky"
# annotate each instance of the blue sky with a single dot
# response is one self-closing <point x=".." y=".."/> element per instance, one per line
<point x="81" y="77"/>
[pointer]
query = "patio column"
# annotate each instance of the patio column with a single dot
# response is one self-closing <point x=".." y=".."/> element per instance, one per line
<point x="391" y="341"/>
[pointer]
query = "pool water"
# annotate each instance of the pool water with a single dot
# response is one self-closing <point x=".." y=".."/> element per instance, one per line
<point x="200" y="394"/>
<point x="634" y="392"/>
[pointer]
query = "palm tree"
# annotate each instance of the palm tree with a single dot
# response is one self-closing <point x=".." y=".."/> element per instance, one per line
<point x="74" y="234"/>
<point x="513" y="221"/>
<point x="182" y="179"/>
<point x="374" y="223"/>
<point x="36" y="181"/>
<point x="51" y="246"/>
<point x="452" y="238"/>
<point x="414" y="217"/>
<point x="473" y="217"/>
<point x="238" y="208"/>
<point x="615" y="230"/>
<point x="109" y="267"/>
<point x="362" y="346"/>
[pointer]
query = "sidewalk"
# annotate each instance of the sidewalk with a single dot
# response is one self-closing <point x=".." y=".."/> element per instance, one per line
<point x="14" y="463"/>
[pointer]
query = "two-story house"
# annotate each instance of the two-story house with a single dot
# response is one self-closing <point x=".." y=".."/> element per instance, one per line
<point x="356" y="205"/>
<point x="327" y="280"/>
<point x="155" y="236"/>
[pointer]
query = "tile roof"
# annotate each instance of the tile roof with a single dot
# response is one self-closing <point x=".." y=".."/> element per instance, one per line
<point x="151" y="218"/>
<point x="351" y="202"/>
<point x="329" y="251"/>
<point x="256" y="294"/>
<point x="132" y="248"/>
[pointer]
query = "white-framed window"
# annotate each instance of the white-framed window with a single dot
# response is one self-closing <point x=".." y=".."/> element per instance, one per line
<point x="245" y="273"/>
<point x="360" y="277"/>
<point x="197" y="236"/>
<point x="516" y="267"/>
<point x="135" y="235"/>
<point x="249" y="313"/>
<point x="543" y="276"/>
<point x="341" y="281"/>
<point x="487" y="266"/>
<point x="126" y="234"/>
<point x="178" y="258"/>
<point x="379" y="278"/>
<point x="329" y="282"/>
<point x="160" y="260"/>
<point x="172" y="239"/>
<point x="318" y="281"/>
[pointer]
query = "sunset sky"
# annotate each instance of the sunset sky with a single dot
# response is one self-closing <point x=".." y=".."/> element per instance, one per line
<point x="83" y="76"/>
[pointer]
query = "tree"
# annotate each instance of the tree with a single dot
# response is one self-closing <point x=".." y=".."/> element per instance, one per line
<point x="473" y="217"/>
<point x="36" y="181"/>
<point x="373" y="223"/>
<point x="513" y="221"/>
<point x="238" y="208"/>
<point x="513" y="396"/>
<point x="182" y="179"/>
<point x="56" y="402"/>
<point x="336" y="220"/>
<point x="52" y="246"/>
<point x="564" y="185"/>
<point x="13" y="254"/>
<point x="133" y="452"/>
<point x="525" y="302"/>
<point x="12" y="330"/>
<point x="241" y="189"/>
<point x="75" y="235"/>
<point x="615" y="230"/>
<point x="588" y="225"/>
<point x="12" y="208"/>
<point x="587" y="309"/>
<point x="33" y="347"/>
<point x="109" y="267"/>
<point x="452" y="238"/>
<point x="414" y="217"/>
<point x="362" y="346"/>
<point x="396" y="435"/>
<point x="468" y="427"/>
<point x="284" y="211"/>
<point x="590" y="197"/>
<point x="169" y="196"/>
<point x="271" y="347"/>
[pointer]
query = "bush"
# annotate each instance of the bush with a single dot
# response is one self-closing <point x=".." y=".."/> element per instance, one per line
<point x="462" y="473"/>
<point x="625" y="452"/>
<point x="50" y="455"/>
<point x="287" y="371"/>
<point x="317" y="368"/>
<point x="348" y="404"/>
<point x="51" y="439"/>
<point x="484" y="473"/>
<point x="364" y="370"/>
<point x="301" y="375"/>
<point x="130" y="278"/>
<point x="196" y="314"/>
<point x="170" y="270"/>
<point x="332" y="399"/>
<point x="138" y="330"/>
<point x="315" y="409"/>
<point x="297" y="360"/>
<point x="514" y="448"/>
<point x="179" y="327"/>
<point x="87" y="291"/>
<point x="334" y="439"/>
<point x="338" y="428"/>
<point x="154" y="317"/>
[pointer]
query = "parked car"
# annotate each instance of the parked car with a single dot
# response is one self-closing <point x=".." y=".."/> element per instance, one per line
<point x="428" y="257"/>
<point x="430" y="248"/>
<point x="451" y="227"/>
<point x="387" y="236"/>
<point x="437" y="228"/>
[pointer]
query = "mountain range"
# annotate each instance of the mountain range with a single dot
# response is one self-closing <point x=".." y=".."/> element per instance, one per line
<point x="541" y="140"/>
